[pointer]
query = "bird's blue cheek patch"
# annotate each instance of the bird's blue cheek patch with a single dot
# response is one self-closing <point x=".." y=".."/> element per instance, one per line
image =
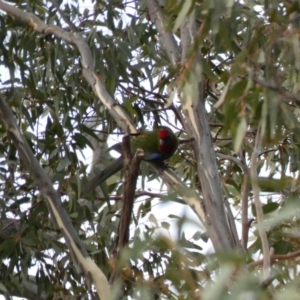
<point x="153" y="156"/>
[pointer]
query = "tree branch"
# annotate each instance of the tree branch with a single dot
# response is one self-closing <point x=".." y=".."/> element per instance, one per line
<point x="166" y="37"/>
<point x="192" y="91"/>
<point x="194" y="109"/>
<point x="131" y="166"/>
<point x="78" y="253"/>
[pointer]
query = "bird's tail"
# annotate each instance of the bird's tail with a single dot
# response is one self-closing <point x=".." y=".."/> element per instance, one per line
<point x="110" y="170"/>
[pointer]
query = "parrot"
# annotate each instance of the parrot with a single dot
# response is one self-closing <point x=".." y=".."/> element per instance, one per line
<point x="158" y="145"/>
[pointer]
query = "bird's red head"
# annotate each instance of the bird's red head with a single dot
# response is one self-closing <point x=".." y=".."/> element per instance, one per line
<point x="167" y="142"/>
<point x="163" y="134"/>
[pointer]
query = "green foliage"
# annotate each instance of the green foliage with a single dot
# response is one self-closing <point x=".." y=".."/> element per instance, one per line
<point x="250" y="61"/>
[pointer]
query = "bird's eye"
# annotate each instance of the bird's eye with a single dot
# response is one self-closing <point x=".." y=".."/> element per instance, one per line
<point x="166" y="140"/>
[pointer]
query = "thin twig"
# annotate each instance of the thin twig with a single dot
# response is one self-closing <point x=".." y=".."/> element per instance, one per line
<point x="258" y="205"/>
<point x="276" y="88"/>
<point x="142" y="194"/>
<point x="245" y="195"/>
<point x="274" y="258"/>
<point x="63" y="15"/>
<point x="234" y="159"/>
